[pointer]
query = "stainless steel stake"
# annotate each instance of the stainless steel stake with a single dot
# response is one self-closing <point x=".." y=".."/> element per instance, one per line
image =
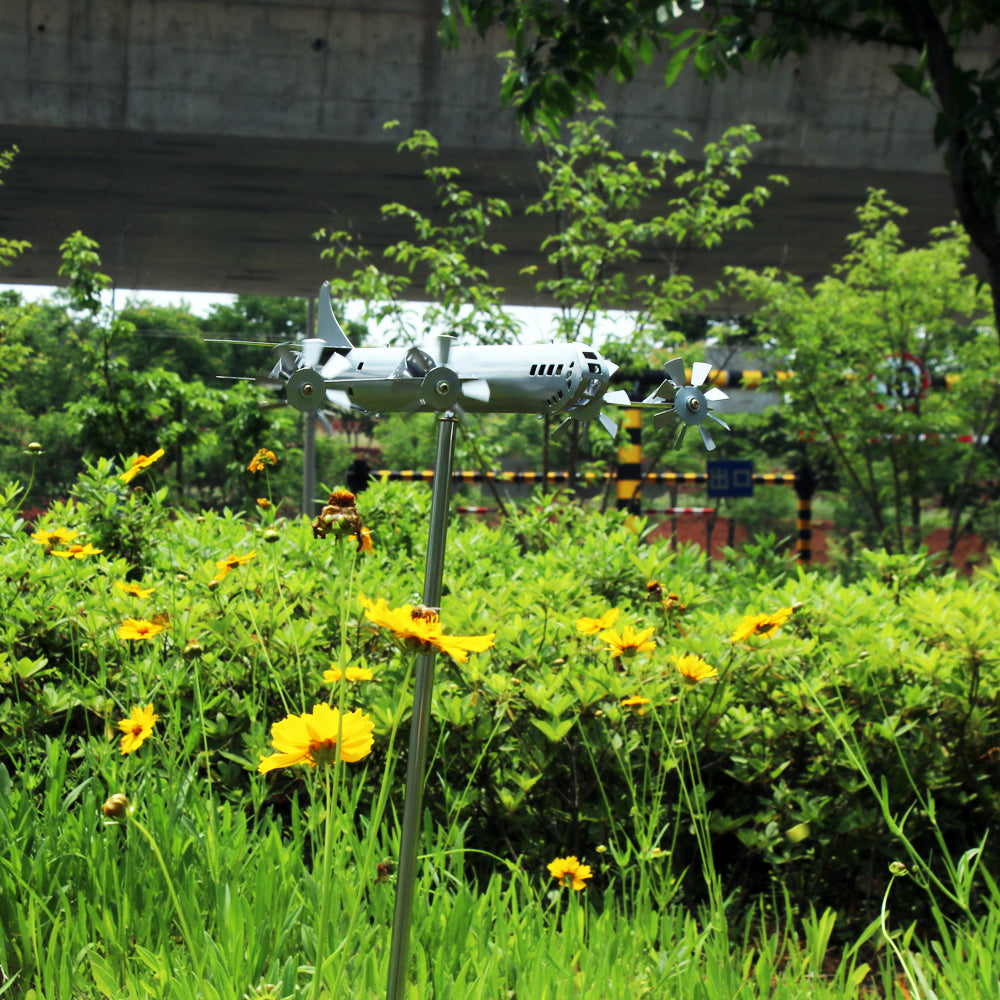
<point x="422" y="690"/>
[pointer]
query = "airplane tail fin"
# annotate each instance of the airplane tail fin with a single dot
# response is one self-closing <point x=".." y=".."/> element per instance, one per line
<point x="328" y="328"/>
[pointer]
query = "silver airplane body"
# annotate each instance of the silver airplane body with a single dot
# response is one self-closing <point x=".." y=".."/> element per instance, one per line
<point x="568" y="380"/>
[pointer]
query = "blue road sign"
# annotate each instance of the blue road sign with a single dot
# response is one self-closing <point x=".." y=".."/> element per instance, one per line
<point x="731" y="478"/>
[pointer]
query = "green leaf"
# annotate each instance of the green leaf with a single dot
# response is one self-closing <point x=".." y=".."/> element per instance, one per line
<point x="554" y="732"/>
<point x="674" y="67"/>
<point x="913" y="77"/>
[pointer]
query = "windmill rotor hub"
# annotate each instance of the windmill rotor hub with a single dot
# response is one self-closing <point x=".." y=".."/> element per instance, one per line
<point x="441" y="388"/>
<point x="305" y="389"/>
<point x="689" y="405"/>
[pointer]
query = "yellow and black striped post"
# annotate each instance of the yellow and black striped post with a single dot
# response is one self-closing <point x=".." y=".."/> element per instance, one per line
<point x="805" y="490"/>
<point x="630" y="461"/>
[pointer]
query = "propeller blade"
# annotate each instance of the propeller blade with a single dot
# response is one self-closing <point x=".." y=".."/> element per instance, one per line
<point x="339" y="399"/>
<point x="477" y="388"/>
<point x="664" y="393"/>
<point x="286" y="358"/>
<point x="266" y="382"/>
<point x="336" y="364"/>
<point x="312" y="349"/>
<point x="680" y="436"/>
<point x="700" y="371"/>
<point x="715" y="393"/>
<point x="560" y="430"/>
<point x="706" y="438"/>
<point x="608" y="424"/>
<point x="444" y="348"/>
<point x="719" y="420"/>
<point x="619" y="397"/>
<point x="325" y="422"/>
<point x="661" y="419"/>
<point x="676" y="372"/>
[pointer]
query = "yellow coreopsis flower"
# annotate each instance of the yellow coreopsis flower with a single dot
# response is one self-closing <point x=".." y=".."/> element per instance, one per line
<point x="223" y="566"/>
<point x="139" y="629"/>
<point x="261" y="461"/>
<point x="629" y="642"/>
<point x="57" y="536"/>
<point x="419" y="629"/>
<point x="318" y="737"/>
<point x="570" y="872"/>
<point x="141" y="463"/>
<point x="763" y="625"/>
<point x="137" y="727"/>
<point x="77" y="551"/>
<point x="332" y="676"/>
<point x="133" y="589"/>
<point x="591" y="626"/>
<point x="636" y="701"/>
<point x="693" y="668"/>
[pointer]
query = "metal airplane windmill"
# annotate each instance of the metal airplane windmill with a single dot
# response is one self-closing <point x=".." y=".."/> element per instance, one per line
<point x="568" y="380"/>
<point x="555" y="380"/>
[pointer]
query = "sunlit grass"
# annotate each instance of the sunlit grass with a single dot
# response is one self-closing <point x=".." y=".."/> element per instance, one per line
<point x="575" y="842"/>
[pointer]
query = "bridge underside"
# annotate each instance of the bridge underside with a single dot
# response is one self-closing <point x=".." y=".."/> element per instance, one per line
<point x="232" y="214"/>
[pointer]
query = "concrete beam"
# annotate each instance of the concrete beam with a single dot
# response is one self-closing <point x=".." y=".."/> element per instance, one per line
<point x="202" y="142"/>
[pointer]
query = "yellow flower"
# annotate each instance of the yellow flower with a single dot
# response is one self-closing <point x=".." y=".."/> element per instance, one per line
<point x="139" y="629"/>
<point x="418" y="629"/>
<point x="629" y="642"/>
<point x="634" y="702"/>
<point x="133" y="589"/>
<point x="223" y="566"/>
<point x="140" y="463"/>
<point x="263" y="503"/>
<point x="365" y="541"/>
<point x="137" y="727"/>
<point x="693" y="668"/>
<point x="261" y="460"/>
<point x="312" y="738"/>
<point x="569" y="871"/>
<point x="77" y="551"/>
<point x="332" y="675"/>
<point x="765" y="625"/>
<point x="591" y="626"/>
<point x="57" y="536"/>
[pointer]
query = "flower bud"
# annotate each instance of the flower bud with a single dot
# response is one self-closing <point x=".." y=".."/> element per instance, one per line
<point x="272" y="535"/>
<point x="193" y="649"/>
<point x="116" y="807"/>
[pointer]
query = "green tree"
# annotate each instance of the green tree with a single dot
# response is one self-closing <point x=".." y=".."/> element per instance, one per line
<point x="561" y="50"/>
<point x="863" y="344"/>
<point x="604" y="212"/>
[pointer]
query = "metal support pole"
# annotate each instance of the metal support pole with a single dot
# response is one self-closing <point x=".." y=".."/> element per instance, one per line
<point x="309" y="433"/>
<point x="422" y="691"/>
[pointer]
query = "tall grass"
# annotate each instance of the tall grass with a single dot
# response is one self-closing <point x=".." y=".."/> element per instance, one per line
<point x="222" y="883"/>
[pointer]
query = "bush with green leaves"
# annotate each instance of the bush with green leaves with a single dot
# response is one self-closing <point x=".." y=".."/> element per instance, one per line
<point x="803" y="747"/>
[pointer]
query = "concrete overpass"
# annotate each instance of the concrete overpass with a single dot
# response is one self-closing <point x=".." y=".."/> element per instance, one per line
<point x="202" y="142"/>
